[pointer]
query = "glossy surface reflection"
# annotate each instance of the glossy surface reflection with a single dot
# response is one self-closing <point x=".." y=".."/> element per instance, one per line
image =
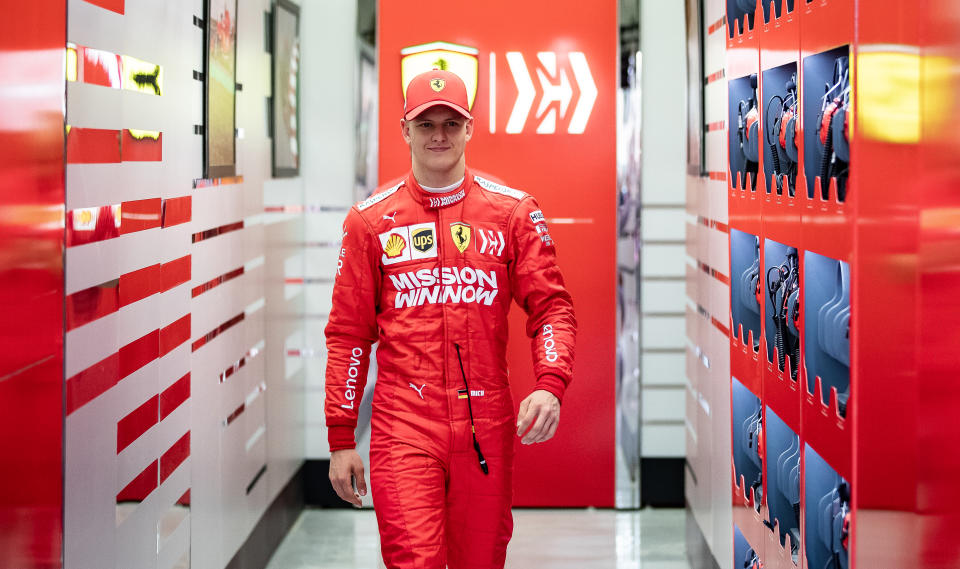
<point x="546" y="539"/>
<point x="31" y="283"/>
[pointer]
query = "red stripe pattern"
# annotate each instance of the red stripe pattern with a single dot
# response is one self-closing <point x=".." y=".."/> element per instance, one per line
<point x="177" y="211"/>
<point x="137" y="423"/>
<point x="112" y="5"/>
<point x="174" y="396"/>
<point x="722" y="22"/>
<point x="93" y="146"/>
<point x="140" y="284"/>
<point x="136" y="146"/>
<point x="174" y="457"/>
<point x="714" y="77"/>
<point x="214" y="282"/>
<point x="176" y="272"/>
<point x="216" y="231"/>
<point x="209" y="336"/>
<point x="87" y="305"/>
<point x="92" y="382"/>
<point x="721" y="176"/>
<point x="174" y="335"/>
<point x="108" y="146"/>
<point x="141" y="486"/>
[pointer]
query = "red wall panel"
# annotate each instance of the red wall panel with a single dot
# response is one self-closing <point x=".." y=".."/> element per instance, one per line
<point x="31" y="283"/>
<point x="573" y="176"/>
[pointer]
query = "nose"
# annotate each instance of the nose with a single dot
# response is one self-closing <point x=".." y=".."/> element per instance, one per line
<point x="438" y="134"/>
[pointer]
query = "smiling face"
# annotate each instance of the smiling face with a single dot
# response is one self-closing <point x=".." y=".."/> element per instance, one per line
<point x="437" y="138"/>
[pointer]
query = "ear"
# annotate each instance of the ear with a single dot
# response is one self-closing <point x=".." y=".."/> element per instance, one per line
<point x="469" y="126"/>
<point x="405" y="130"/>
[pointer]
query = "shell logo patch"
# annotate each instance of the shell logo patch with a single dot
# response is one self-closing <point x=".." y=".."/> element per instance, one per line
<point x="394" y="246"/>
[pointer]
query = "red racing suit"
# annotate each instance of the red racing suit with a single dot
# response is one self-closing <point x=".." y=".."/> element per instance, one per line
<point x="431" y="277"/>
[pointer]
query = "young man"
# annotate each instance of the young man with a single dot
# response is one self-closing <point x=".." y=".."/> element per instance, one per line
<point x="429" y="267"/>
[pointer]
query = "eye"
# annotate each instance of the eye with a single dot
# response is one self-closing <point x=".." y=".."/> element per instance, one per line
<point x="425" y="125"/>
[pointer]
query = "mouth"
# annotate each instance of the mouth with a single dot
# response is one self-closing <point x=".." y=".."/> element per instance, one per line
<point x="438" y="148"/>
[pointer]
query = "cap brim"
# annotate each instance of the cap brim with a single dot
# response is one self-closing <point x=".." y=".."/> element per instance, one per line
<point x="414" y="112"/>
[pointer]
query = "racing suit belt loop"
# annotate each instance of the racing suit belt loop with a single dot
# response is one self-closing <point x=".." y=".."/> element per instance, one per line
<point x="473" y="429"/>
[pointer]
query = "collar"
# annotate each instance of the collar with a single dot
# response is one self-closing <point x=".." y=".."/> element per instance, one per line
<point x="435" y="201"/>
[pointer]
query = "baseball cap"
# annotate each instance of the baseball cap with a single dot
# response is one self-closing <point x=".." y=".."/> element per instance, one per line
<point x="436" y="87"/>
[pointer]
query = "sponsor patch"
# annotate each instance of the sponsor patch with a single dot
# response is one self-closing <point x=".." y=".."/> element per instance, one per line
<point x="499" y="189"/>
<point x="549" y="345"/>
<point x="408" y="242"/>
<point x="377" y="198"/>
<point x="491" y="242"/>
<point x="543" y="233"/>
<point x="423" y="237"/>
<point x="446" y="285"/>
<point x="444" y="201"/>
<point x="395" y="244"/>
<point x="537" y="216"/>
<point x="460" y="232"/>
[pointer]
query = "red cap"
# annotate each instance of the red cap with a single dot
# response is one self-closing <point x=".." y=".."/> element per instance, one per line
<point x="436" y="88"/>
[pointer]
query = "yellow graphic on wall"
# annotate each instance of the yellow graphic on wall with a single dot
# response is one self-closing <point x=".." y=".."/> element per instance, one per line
<point x="459" y="59"/>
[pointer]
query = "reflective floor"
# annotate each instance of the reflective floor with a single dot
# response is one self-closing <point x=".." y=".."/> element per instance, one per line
<point x="545" y="539"/>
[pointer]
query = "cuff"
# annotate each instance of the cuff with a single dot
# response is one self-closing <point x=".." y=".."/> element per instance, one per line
<point x="340" y="437"/>
<point x="553" y="384"/>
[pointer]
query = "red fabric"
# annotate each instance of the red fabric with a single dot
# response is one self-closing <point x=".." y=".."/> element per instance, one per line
<point x="421" y="279"/>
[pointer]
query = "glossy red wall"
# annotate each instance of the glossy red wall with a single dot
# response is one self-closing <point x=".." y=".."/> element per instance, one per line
<point x="573" y="176"/>
<point x="31" y="283"/>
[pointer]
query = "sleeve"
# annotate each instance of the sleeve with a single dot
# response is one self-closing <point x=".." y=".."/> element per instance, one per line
<point x="351" y="330"/>
<point x="538" y="288"/>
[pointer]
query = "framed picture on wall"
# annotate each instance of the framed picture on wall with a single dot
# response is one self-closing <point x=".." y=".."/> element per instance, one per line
<point x="366" y="124"/>
<point x="696" y="112"/>
<point x="286" y="89"/>
<point x="220" y="109"/>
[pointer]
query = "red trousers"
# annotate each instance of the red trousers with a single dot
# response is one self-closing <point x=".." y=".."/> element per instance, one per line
<point x="435" y="507"/>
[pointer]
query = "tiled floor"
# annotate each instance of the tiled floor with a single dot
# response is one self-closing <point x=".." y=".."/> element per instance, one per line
<point x="542" y="539"/>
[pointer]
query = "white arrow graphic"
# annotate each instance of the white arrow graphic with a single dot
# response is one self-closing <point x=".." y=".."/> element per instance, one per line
<point x="526" y="92"/>
<point x="588" y="92"/>
<point x="483" y="246"/>
<point x="562" y="92"/>
<point x="502" y="243"/>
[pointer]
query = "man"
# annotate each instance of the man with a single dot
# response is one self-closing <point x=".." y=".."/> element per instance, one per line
<point x="428" y="267"/>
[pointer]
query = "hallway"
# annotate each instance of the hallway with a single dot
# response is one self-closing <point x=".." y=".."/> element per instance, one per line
<point x="545" y="539"/>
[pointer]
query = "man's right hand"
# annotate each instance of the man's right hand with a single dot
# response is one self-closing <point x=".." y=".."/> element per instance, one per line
<point x="346" y="466"/>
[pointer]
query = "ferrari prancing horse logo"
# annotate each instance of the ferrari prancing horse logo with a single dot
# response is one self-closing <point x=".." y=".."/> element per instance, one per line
<point x="461" y="235"/>
<point x="438" y="84"/>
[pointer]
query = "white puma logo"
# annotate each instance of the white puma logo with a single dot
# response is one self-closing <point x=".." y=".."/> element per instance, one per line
<point x="391" y="217"/>
<point x="418" y="390"/>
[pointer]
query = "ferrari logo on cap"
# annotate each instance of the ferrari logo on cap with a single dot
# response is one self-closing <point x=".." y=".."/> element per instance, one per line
<point x="438" y="85"/>
<point x="461" y="235"/>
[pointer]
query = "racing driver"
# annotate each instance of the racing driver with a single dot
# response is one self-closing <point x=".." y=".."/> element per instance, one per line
<point x="428" y="268"/>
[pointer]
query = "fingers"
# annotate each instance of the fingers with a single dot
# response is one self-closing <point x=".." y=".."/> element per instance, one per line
<point x="544" y="428"/>
<point x="361" y="483"/>
<point x="524" y="418"/>
<point x="346" y="470"/>
<point x="543" y="413"/>
<point x="534" y="434"/>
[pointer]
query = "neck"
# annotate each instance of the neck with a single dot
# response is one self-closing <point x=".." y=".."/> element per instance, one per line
<point x="439" y="179"/>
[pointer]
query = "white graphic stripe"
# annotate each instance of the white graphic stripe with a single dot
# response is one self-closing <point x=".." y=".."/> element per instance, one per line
<point x="493" y="92"/>
<point x="525" y="95"/>
<point x="588" y="92"/>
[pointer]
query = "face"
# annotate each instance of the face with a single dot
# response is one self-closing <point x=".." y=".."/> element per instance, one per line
<point x="437" y="138"/>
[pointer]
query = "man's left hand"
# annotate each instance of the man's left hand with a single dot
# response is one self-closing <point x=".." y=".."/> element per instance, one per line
<point x="540" y="413"/>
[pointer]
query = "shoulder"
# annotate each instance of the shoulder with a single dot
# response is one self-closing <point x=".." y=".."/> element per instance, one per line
<point x="500" y="189"/>
<point x="381" y="195"/>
